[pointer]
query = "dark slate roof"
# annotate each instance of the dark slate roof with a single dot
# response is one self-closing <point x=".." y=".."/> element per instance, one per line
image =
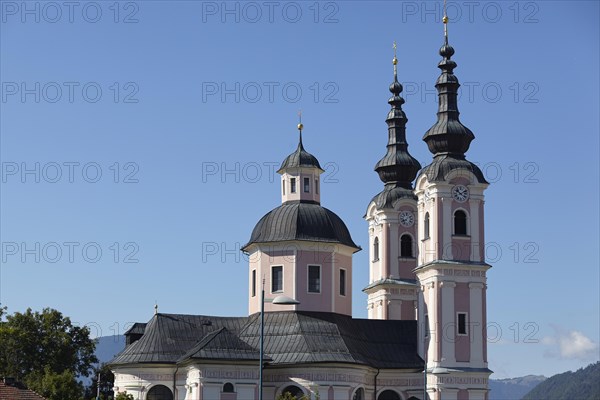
<point x="315" y="337"/>
<point x="291" y="337"/>
<point x="300" y="220"/>
<point x="442" y="165"/>
<point x="390" y="195"/>
<point x="137" y="329"/>
<point x="300" y="158"/>
<point x="222" y="345"/>
<point x="167" y="337"/>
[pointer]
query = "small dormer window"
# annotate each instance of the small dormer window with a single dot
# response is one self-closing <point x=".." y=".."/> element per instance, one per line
<point x="316" y="186"/>
<point x="293" y="185"/>
<point x="306" y="185"/>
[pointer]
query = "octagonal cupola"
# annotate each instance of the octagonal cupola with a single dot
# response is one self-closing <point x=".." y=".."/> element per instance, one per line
<point x="300" y="175"/>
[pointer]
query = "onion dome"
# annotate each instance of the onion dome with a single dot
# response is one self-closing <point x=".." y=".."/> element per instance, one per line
<point x="300" y="157"/>
<point x="448" y="139"/>
<point x="304" y="221"/>
<point x="397" y="169"/>
<point x="448" y="135"/>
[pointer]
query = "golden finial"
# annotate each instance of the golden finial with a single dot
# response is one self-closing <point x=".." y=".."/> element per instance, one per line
<point x="445" y="21"/>
<point x="300" y="126"/>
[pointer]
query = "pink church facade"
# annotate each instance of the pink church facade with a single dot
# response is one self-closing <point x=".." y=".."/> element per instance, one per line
<point x="425" y="334"/>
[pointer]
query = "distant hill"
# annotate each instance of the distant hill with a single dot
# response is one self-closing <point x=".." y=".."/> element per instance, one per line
<point x="583" y="384"/>
<point x="106" y="349"/>
<point x="513" y="388"/>
<point x="108" y="346"/>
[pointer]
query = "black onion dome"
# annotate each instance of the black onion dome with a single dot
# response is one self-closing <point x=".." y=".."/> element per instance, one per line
<point x="397" y="167"/>
<point x="300" y="158"/>
<point x="442" y="165"/>
<point x="448" y="135"/>
<point x="305" y="221"/>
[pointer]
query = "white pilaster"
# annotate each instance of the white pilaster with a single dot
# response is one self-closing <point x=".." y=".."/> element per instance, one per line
<point x="474" y="231"/>
<point x="448" y="323"/>
<point x="476" y="323"/>
<point x="449" y="394"/>
<point x="446" y="246"/>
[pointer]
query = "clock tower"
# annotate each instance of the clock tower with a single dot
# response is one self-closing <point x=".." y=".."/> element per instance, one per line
<point x="451" y="270"/>
<point x="391" y="214"/>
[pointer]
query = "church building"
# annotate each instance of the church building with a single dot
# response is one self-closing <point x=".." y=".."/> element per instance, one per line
<point x="425" y="334"/>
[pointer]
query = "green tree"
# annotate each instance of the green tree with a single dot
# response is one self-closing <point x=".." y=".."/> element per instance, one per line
<point x="107" y="380"/>
<point x="34" y="343"/>
<point x="289" y="396"/>
<point x="55" y="386"/>
<point x="124" y="396"/>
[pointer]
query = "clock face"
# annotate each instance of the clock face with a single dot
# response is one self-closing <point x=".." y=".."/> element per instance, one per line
<point x="460" y="193"/>
<point x="407" y="218"/>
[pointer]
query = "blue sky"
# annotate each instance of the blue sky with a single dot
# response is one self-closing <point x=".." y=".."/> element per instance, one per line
<point x="139" y="140"/>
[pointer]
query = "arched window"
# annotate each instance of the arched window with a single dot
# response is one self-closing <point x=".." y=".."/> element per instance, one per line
<point x="460" y="222"/>
<point x="294" y="391"/>
<point x="388" y="395"/>
<point x="159" y="392"/>
<point x="406" y="246"/>
<point x="376" y="249"/>
<point x="228" y="388"/>
<point x="426" y="226"/>
<point x="359" y="394"/>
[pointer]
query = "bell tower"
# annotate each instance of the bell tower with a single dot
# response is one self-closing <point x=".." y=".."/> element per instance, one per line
<point x="451" y="269"/>
<point x="391" y="214"/>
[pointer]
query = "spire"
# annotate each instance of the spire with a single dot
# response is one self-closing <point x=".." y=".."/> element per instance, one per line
<point x="300" y="127"/>
<point x="397" y="168"/>
<point x="300" y="157"/>
<point x="448" y="136"/>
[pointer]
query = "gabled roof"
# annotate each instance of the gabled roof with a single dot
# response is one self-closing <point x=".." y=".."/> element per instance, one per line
<point x="167" y="337"/>
<point x="291" y="337"/>
<point x="17" y="392"/>
<point x="222" y="345"/>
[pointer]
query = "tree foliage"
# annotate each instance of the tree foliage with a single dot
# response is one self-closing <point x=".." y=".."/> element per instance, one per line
<point x="55" y="386"/>
<point x="107" y="380"/>
<point x="289" y="396"/>
<point x="124" y="396"/>
<point x="46" y="351"/>
<point x="32" y="342"/>
<point x="584" y="384"/>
